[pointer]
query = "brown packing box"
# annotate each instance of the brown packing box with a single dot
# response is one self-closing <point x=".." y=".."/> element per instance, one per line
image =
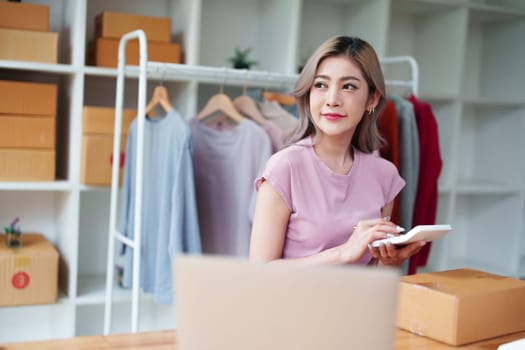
<point x="18" y="131"/>
<point x="101" y="120"/>
<point x="461" y="306"/>
<point x="106" y="52"/>
<point x="115" y="24"/>
<point x="96" y="160"/>
<point x="25" y="16"/>
<point x="25" y="45"/>
<point x="18" y="97"/>
<point x="27" y="164"/>
<point x="28" y="275"/>
<point x="98" y="125"/>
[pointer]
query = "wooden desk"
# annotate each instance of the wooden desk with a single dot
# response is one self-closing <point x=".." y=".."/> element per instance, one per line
<point x="165" y="340"/>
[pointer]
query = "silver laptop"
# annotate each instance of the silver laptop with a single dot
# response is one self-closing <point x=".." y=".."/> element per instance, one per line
<point x="230" y="304"/>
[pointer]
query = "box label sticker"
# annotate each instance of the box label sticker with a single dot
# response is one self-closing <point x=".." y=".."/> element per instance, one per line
<point x="122" y="159"/>
<point x="20" y="280"/>
<point x="22" y="261"/>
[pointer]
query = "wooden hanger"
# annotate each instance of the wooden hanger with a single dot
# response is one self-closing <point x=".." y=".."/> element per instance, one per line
<point x="160" y="96"/>
<point x="281" y="98"/>
<point x="220" y="103"/>
<point x="247" y="106"/>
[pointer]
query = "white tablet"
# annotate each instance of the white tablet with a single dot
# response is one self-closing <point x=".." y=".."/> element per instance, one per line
<point x="419" y="233"/>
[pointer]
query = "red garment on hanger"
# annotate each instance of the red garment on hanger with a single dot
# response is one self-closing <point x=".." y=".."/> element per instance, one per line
<point x="430" y="164"/>
<point x="389" y="128"/>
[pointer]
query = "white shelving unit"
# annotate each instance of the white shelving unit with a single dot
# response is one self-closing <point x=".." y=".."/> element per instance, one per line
<point x="472" y="71"/>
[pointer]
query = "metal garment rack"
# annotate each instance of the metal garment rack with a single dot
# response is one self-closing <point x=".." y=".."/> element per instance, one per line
<point x="413" y="82"/>
<point x="175" y="72"/>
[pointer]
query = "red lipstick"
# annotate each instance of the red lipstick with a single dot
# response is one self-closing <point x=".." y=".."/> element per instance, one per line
<point x="332" y="116"/>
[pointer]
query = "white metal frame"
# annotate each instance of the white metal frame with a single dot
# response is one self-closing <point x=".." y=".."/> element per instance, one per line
<point x="413" y="83"/>
<point x="172" y="71"/>
<point x="114" y="234"/>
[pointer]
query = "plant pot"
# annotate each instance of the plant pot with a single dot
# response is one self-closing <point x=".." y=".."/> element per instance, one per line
<point x="13" y="240"/>
<point x="241" y="66"/>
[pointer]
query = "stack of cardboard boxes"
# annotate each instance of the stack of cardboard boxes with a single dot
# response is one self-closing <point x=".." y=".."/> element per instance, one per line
<point x="24" y="33"/>
<point x="29" y="273"/>
<point x="27" y="110"/>
<point x="98" y="122"/>
<point x="110" y="26"/>
<point x="27" y="131"/>
<point x="97" y="144"/>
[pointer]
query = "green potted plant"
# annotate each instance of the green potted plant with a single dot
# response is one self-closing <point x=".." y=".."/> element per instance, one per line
<point x="13" y="234"/>
<point x="240" y="59"/>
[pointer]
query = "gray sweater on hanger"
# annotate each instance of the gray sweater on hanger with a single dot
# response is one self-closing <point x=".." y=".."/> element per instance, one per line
<point x="409" y="157"/>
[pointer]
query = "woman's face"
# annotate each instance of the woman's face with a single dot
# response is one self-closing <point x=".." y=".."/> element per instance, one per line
<point x="338" y="97"/>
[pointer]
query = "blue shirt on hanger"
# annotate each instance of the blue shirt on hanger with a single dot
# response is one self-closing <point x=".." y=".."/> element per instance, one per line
<point x="169" y="212"/>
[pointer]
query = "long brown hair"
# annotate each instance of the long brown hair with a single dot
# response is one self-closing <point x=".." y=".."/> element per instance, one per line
<point x="366" y="137"/>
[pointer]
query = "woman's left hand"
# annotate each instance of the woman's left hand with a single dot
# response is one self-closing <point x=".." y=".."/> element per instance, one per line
<point x="390" y="255"/>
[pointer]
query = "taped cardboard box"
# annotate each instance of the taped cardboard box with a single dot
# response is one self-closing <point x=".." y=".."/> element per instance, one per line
<point x="18" y="131"/>
<point x="106" y="52"/>
<point x="28" y="275"/>
<point x="27" y="164"/>
<point x="461" y="306"/>
<point x="98" y="125"/>
<point x="17" y="97"/>
<point x="26" y="45"/>
<point x="96" y="162"/>
<point x="101" y="120"/>
<point x="115" y="24"/>
<point x="25" y="16"/>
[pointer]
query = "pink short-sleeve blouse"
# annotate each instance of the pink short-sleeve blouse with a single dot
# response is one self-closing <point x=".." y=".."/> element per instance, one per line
<point x="324" y="205"/>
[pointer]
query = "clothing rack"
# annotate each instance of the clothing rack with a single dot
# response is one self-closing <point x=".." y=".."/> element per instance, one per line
<point x="201" y="74"/>
<point x="413" y="82"/>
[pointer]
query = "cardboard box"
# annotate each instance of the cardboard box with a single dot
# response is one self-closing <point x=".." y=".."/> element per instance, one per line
<point x="25" y="16"/>
<point x="97" y="159"/>
<point x="114" y="25"/>
<point x="106" y="52"/>
<point x="101" y="120"/>
<point x="461" y="306"/>
<point x="27" y="164"/>
<point x="28" y="275"/>
<point x="25" y="45"/>
<point x="27" y="131"/>
<point x="18" y="97"/>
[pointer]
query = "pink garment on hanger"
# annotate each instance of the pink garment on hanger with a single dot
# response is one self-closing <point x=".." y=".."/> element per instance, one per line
<point x="275" y="113"/>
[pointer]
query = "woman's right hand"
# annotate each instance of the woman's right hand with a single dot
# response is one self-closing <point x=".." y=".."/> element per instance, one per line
<point x="365" y="232"/>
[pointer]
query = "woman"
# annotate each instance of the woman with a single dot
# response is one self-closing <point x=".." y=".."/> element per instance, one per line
<point x="328" y="195"/>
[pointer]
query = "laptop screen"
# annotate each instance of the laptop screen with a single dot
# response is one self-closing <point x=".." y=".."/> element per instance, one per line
<point x="227" y="303"/>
